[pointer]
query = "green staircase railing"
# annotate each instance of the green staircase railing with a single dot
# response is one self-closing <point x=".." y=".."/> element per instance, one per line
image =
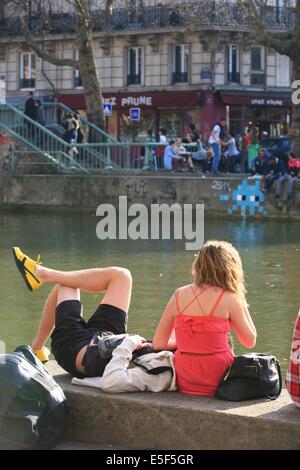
<point x="55" y="113"/>
<point x="50" y="146"/>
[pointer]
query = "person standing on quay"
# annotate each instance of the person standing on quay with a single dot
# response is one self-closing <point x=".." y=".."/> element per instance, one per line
<point x="31" y="112"/>
<point x="216" y="136"/>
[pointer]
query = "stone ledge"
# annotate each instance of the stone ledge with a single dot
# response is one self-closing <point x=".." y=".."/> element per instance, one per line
<point x="87" y="192"/>
<point x="173" y="421"/>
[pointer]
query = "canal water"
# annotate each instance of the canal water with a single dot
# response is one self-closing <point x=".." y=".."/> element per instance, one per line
<point x="270" y="252"/>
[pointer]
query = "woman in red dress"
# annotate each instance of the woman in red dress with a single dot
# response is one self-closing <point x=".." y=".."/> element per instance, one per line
<point x="202" y="314"/>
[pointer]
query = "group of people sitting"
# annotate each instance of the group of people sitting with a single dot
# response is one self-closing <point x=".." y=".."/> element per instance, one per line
<point x="191" y="348"/>
<point x="267" y="167"/>
<point x="190" y="152"/>
<point x="272" y="169"/>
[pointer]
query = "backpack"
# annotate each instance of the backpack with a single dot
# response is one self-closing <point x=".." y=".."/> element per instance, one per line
<point x="33" y="407"/>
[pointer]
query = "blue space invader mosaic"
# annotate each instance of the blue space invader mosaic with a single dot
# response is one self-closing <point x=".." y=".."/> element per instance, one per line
<point x="246" y="196"/>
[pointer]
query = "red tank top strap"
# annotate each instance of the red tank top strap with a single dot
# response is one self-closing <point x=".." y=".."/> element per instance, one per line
<point x="217" y="303"/>
<point x="201" y="308"/>
<point x="190" y="302"/>
<point x="176" y="299"/>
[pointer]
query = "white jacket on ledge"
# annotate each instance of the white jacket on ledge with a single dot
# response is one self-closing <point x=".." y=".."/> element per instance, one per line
<point x="122" y="375"/>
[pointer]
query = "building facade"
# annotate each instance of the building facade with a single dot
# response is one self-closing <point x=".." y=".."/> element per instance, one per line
<point x="176" y="71"/>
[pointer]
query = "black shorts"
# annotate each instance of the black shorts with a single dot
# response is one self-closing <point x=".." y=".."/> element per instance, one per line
<point x="72" y="333"/>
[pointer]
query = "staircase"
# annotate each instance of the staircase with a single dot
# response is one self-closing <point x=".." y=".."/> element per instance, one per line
<point x="47" y="143"/>
<point x="55" y="114"/>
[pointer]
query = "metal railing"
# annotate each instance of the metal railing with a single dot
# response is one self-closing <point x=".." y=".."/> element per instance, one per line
<point x="27" y="83"/>
<point x="233" y="77"/>
<point x="55" y="114"/>
<point x="192" y="12"/>
<point x="30" y="162"/>
<point x="198" y="13"/>
<point x="48" y="145"/>
<point x="179" y="77"/>
<point x="134" y="79"/>
<point x="80" y="158"/>
<point x="128" y="156"/>
<point x="257" y="79"/>
<point x="123" y="157"/>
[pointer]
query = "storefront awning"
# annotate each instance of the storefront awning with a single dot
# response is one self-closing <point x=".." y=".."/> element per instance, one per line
<point x="159" y="99"/>
<point x="255" y="99"/>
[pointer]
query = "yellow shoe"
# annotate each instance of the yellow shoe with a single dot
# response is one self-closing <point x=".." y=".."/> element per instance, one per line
<point x="42" y="354"/>
<point x="26" y="266"/>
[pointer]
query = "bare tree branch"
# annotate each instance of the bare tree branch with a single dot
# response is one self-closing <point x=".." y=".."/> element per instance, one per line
<point x="103" y="16"/>
<point x="282" y="41"/>
<point x="38" y="46"/>
<point x="48" y="57"/>
<point x="285" y="45"/>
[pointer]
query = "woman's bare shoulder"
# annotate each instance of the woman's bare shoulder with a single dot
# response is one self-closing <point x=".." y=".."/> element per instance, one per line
<point x="185" y="287"/>
<point x="232" y="299"/>
<point x="231" y="295"/>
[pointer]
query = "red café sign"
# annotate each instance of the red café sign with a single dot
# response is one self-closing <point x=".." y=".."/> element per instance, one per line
<point x="125" y="101"/>
<point x="138" y="100"/>
<point x="152" y="100"/>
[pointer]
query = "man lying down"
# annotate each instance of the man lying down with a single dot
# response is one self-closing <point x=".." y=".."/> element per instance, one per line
<point x="99" y="352"/>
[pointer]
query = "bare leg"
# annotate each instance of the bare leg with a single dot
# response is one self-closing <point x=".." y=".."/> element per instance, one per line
<point x="115" y="282"/>
<point x="64" y="294"/>
<point x="190" y="162"/>
<point x="47" y="322"/>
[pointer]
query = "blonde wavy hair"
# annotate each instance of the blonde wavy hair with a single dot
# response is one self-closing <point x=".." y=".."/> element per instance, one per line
<point x="219" y="264"/>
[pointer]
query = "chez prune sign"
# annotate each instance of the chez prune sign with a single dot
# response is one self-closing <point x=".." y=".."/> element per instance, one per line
<point x="126" y="101"/>
<point x="148" y="100"/>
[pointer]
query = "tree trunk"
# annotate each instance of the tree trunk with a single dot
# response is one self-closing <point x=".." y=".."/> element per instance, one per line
<point x="87" y="64"/>
<point x="91" y="84"/>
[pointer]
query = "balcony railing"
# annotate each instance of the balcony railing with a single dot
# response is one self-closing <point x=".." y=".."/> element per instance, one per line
<point x="77" y="82"/>
<point x="180" y="77"/>
<point x="233" y="77"/>
<point x="191" y="12"/>
<point x="133" y="79"/>
<point x="257" y="78"/>
<point x="27" y="83"/>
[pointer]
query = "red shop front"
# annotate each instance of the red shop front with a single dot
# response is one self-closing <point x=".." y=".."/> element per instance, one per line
<point x="266" y="111"/>
<point x="173" y="111"/>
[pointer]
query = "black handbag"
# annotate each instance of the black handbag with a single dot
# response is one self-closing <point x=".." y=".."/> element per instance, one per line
<point x="251" y="376"/>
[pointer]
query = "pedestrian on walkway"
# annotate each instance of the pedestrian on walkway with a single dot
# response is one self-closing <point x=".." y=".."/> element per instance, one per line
<point x="31" y="112"/>
<point x="217" y="135"/>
